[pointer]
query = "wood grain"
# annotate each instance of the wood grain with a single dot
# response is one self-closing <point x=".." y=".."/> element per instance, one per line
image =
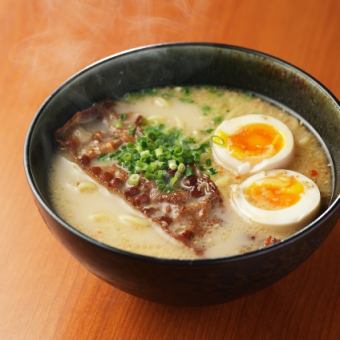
<point x="44" y="292"/>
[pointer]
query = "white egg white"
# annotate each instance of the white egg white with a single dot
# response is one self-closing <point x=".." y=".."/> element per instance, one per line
<point x="287" y="219"/>
<point x="224" y="157"/>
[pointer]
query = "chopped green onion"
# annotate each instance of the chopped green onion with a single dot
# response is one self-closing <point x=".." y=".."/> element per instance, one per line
<point x="149" y="175"/>
<point x="172" y="164"/>
<point x="217" y="120"/>
<point x="132" y="131"/>
<point x="215" y="90"/>
<point x="153" y="166"/>
<point x="181" y="168"/>
<point x="160" y="165"/>
<point x="217" y="140"/>
<point x="127" y="157"/>
<point x="212" y="171"/>
<point x="133" y="180"/>
<point x="167" y="95"/>
<point x="118" y="124"/>
<point x="103" y="157"/>
<point x="132" y="96"/>
<point x="189" y="171"/>
<point x="160" y="149"/>
<point x="160" y="174"/>
<point x="174" y="180"/>
<point x="248" y="95"/>
<point x="149" y="91"/>
<point x="122" y="116"/>
<point x="145" y="154"/>
<point x="210" y="130"/>
<point x="186" y="90"/>
<point x="158" y="152"/>
<point x="178" y="150"/>
<point x="139" y="168"/>
<point x="186" y="100"/>
<point x="206" y="109"/>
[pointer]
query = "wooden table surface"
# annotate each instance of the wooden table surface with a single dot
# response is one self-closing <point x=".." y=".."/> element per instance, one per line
<point x="44" y="292"/>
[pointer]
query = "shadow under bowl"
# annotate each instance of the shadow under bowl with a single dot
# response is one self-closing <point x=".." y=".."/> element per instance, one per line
<point x="185" y="282"/>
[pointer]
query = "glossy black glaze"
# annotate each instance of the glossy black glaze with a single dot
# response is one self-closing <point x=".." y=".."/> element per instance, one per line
<point x="185" y="282"/>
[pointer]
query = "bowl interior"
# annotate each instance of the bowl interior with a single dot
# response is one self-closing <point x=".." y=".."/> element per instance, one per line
<point x="182" y="64"/>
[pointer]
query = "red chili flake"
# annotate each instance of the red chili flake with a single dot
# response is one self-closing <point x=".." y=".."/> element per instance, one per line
<point x="270" y="241"/>
<point x="314" y="173"/>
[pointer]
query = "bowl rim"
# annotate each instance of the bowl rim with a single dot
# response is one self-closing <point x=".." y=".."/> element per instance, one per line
<point x="332" y="208"/>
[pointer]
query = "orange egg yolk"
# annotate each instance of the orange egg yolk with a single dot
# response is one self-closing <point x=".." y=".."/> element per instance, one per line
<point x="276" y="192"/>
<point x="253" y="141"/>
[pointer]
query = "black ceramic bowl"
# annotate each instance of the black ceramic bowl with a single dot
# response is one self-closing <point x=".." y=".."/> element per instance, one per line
<point x="188" y="282"/>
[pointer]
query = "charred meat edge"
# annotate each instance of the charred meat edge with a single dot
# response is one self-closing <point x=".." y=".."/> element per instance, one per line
<point x="192" y="206"/>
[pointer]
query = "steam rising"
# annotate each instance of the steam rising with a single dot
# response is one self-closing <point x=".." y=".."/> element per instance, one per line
<point x="68" y="35"/>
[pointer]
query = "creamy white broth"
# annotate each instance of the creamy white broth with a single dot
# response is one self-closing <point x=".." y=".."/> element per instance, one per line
<point x="107" y="217"/>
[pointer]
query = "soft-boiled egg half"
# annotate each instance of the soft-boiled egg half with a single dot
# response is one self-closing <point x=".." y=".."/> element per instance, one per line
<point x="252" y="143"/>
<point x="282" y="200"/>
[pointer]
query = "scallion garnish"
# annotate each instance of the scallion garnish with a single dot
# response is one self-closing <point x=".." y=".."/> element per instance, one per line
<point x="172" y="164"/>
<point x="157" y="153"/>
<point x="133" y="180"/>
<point x="217" y="140"/>
<point x="217" y="120"/>
<point x="205" y="109"/>
<point x="122" y="116"/>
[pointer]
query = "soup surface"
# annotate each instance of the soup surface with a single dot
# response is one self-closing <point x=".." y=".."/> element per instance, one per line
<point x="198" y="115"/>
